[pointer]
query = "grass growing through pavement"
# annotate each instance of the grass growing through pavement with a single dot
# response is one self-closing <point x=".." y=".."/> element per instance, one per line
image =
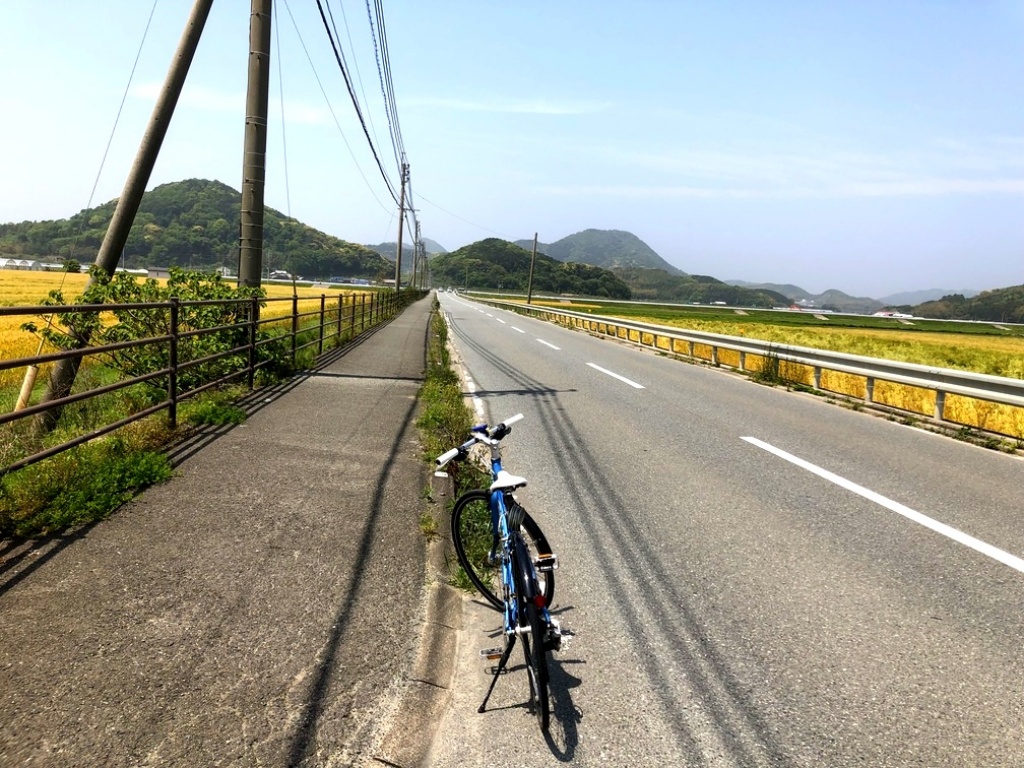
<point x="444" y="423"/>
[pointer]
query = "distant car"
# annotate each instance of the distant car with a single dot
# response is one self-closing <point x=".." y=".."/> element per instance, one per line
<point x="280" y="274"/>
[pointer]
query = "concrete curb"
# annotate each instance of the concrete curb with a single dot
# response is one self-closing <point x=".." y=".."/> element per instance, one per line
<point x="414" y="723"/>
<point x="409" y="736"/>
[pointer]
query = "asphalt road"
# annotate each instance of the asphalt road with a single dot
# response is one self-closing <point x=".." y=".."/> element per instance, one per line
<point x="756" y="577"/>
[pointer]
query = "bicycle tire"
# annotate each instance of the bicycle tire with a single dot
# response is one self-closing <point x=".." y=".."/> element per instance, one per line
<point x="532" y="640"/>
<point x="471" y="537"/>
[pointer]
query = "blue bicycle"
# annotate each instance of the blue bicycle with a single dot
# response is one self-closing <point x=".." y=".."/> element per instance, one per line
<point x="508" y="559"/>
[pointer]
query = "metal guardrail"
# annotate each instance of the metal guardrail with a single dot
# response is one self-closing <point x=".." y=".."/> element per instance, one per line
<point x="346" y="318"/>
<point x="940" y="381"/>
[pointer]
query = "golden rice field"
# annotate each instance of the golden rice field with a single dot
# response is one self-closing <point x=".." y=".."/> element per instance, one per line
<point x="995" y="355"/>
<point x="22" y="289"/>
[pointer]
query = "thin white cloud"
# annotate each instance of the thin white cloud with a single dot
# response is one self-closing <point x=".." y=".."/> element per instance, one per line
<point x="199" y="97"/>
<point x="922" y="188"/>
<point x="985" y="166"/>
<point x="514" y="106"/>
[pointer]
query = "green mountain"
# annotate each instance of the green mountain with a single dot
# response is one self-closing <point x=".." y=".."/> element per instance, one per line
<point x="842" y="302"/>
<point x="433" y="246"/>
<point x="1003" y="305"/>
<point x="831" y="299"/>
<point x="912" y="298"/>
<point x="658" y="285"/>
<point x="608" y="248"/>
<point x="494" y="264"/>
<point x="193" y="223"/>
<point x="793" y="292"/>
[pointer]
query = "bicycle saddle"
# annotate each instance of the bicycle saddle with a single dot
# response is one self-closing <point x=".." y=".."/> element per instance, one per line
<point x="506" y="480"/>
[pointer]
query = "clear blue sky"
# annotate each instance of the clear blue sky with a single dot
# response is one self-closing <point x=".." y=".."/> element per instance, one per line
<point x="873" y="147"/>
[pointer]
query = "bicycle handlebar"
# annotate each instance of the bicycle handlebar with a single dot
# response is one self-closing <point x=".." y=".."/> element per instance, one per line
<point x="493" y="435"/>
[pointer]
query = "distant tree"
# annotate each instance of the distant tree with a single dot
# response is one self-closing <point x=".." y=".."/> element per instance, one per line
<point x="71" y="265"/>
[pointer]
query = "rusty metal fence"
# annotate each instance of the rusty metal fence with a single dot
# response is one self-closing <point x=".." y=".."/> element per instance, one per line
<point x="261" y="337"/>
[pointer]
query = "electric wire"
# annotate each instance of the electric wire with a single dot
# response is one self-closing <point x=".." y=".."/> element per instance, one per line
<point x="334" y="116"/>
<point x="465" y="221"/>
<point x="99" y="173"/>
<point x="378" y="33"/>
<point x="387" y="84"/>
<point x="355" y="63"/>
<point x="355" y="103"/>
<point x="284" y="139"/>
<point x="378" y="54"/>
<point x="113" y="130"/>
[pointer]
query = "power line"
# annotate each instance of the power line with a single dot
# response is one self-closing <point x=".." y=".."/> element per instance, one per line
<point x="280" y="85"/>
<point x="466" y="221"/>
<point x="355" y="102"/>
<point x="333" y="115"/>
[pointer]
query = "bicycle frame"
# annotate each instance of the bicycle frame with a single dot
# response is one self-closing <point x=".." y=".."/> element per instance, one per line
<point x="524" y="596"/>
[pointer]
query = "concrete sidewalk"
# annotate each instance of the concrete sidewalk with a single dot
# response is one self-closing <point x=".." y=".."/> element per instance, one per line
<point x="264" y="607"/>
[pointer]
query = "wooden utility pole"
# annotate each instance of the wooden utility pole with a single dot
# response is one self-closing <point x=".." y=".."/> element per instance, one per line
<point x="533" y="259"/>
<point x="62" y="377"/>
<point x="254" y="159"/>
<point x="401" y="220"/>
<point x="417" y="251"/>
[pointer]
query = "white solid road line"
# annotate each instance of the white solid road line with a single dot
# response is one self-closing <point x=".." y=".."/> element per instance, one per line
<point x="478" y="404"/>
<point x="946" y="530"/>
<point x="616" y="376"/>
<point x="549" y="344"/>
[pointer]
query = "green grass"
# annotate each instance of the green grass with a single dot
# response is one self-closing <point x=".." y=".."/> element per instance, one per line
<point x="78" y="486"/>
<point x="444" y="423"/>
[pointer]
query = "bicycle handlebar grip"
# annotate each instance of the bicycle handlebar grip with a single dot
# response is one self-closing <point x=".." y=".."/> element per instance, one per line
<point x="513" y="419"/>
<point x="444" y="458"/>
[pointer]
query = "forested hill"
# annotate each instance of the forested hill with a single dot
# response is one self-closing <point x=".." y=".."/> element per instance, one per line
<point x="608" y="248"/>
<point x="658" y="285"/>
<point x="1003" y="305"/>
<point x="193" y="223"/>
<point x="494" y="264"/>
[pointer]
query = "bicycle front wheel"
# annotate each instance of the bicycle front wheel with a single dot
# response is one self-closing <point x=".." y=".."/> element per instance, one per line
<point x="532" y="634"/>
<point x="473" y="538"/>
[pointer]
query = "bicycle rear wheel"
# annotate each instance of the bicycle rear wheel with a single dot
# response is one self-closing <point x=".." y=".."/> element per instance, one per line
<point x="472" y="538"/>
<point x="532" y="636"/>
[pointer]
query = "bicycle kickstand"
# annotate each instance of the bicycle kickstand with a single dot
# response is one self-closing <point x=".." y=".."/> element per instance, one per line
<point x="501" y="666"/>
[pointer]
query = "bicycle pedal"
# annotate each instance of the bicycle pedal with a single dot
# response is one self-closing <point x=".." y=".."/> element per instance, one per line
<point x="559" y="639"/>
<point x="546" y="563"/>
<point x="491" y="654"/>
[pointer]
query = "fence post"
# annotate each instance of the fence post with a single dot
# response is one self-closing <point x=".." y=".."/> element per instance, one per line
<point x="323" y="307"/>
<point x="341" y="310"/>
<point x="254" y="314"/>
<point x="940" y="405"/>
<point x="172" y="377"/>
<point x="352" y="326"/>
<point x="362" y="312"/>
<point x="869" y="389"/>
<point x="295" y="329"/>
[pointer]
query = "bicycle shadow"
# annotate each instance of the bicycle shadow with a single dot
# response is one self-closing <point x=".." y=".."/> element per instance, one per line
<point x="562" y="737"/>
